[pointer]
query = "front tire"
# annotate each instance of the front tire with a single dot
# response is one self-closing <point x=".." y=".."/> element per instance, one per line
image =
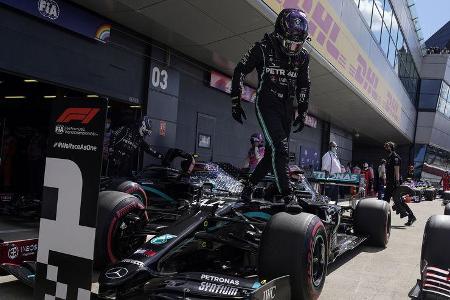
<point x="447" y="210"/>
<point x="429" y="195"/>
<point x="119" y="215"/>
<point x="373" y="217"/>
<point x="435" y="252"/>
<point x="295" y="245"/>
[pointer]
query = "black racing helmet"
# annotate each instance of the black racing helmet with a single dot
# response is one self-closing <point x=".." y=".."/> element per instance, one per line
<point x="291" y="29"/>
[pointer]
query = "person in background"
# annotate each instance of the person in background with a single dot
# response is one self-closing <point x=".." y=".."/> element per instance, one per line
<point x="256" y="151"/>
<point x="393" y="165"/>
<point x="368" y="178"/>
<point x="331" y="165"/>
<point x="410" y="173"/>
<point x="356" y="169"/>
<point x="343" y="190"/>
<point x="125" y="142"/>
<point x="348" y="168"/>
<point x="445" y="181"/>
<point x="372" y="182"/>
<point x="381" y="178"/>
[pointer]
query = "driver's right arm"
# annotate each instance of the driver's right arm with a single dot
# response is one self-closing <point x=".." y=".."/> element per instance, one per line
<point x="248" y="62"/>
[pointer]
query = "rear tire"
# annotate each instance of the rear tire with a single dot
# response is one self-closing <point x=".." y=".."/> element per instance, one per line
<point x="447" y="210"/>
<point x="295" y="245"/>
<point x="113" y="208"/>
<point x="446" y="196"/>
<point x="435" y="249"/>
<point x="373" y="217"/>
<point x="429" y="195"/>
<point x="134" y="189"/>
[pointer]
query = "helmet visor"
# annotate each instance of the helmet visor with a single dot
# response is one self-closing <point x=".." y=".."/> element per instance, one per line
<point x="292" y="47"/>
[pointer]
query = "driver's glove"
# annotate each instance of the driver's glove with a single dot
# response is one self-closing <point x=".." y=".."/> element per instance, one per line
<point x="236" y="110"/>
<point x="299" y="122"/>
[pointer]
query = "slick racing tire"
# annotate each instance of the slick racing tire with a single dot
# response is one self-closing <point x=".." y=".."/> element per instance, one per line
<point x="447" y="210"/>
<point x="134" y="189"/>
<point x="295" y="245"/>
<point x="119" y="214"/>
<point x="446" y="196"/>
<point x="435" y="255"/>
<point x="429" y="195"/>
<point x="373" y="218"/>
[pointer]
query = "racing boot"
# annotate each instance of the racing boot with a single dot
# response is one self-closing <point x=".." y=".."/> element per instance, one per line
<point x="247" y="191"/>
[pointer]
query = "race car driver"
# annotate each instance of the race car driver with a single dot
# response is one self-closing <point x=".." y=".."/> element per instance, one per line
<point x="393" y="182"/>
<point x="282" y="95"/>
<point x="125" y="142"/>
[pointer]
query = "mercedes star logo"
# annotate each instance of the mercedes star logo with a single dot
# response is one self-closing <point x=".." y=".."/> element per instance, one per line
<point x="116" y="273"/>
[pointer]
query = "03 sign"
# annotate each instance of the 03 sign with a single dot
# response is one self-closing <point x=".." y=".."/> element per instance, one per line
<point x="160" y="78"/>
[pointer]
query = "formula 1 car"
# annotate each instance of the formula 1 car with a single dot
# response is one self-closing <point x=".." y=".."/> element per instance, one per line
<point x="434" y="283"/>
<point x="228" y="249"/>
<point x="171" y="194"/>
<point x="421" y="190"/>
<point x="161" y="196"/>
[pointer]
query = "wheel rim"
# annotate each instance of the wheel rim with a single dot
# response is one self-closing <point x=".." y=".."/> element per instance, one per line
<point x="124" y="242"/>
<point x="319" y="261"/>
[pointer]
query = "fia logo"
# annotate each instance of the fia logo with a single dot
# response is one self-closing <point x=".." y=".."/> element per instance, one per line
<point x="269" y="294"/>
<point x="49" y="9"/>
<point x="59" y="129"/>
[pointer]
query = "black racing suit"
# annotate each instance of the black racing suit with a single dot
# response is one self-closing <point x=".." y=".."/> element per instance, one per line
<point x="284" y="85"/>
<point x="392" y="187"/>
<point x="125" y="142"/>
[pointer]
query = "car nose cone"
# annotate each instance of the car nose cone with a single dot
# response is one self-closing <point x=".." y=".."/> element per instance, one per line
<point x="116" y="273"/>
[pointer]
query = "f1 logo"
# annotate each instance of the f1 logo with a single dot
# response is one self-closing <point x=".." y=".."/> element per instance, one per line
<point x="85" y="115"/>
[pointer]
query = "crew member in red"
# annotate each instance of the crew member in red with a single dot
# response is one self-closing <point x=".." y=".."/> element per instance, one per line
<point x="368" y="177"/>
<point x="445" y="181"/>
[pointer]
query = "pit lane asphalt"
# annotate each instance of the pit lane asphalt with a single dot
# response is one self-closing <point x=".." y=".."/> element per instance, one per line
<point x="373" y="273"/>
<point x="365" y="273"/>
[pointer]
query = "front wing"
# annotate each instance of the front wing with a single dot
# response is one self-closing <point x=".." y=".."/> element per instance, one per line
<point x="201" y="286"/>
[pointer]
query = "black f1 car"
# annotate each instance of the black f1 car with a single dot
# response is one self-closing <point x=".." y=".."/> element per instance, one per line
<point x="224" y="248"/>
<point x="421" y="189"/>
<point x="434" y="283"/>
